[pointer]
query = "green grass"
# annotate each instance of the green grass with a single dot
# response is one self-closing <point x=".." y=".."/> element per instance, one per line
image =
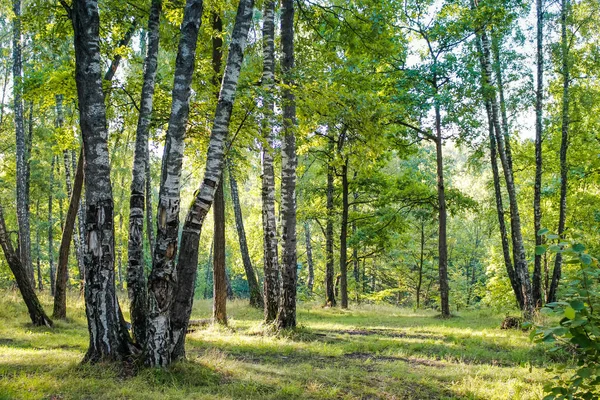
<point x="367" y="352"/>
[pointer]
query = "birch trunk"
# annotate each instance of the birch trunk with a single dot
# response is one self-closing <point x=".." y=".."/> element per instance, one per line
<point x="163" y="278"/>
<point x="286" y="317"/>
<point x="564" y="146"/>
<point x="256" y="299"/>
<point x="220" y="281"/>
<point x="78" y="183"/>
<point x="519" y="257"/>
<point x="60" y="295"/>
<point x="309" y="259"/>
<point x="536" y="288"/>
<point x="109" y="340"/>
<point x="22" y="195"/>
<point x="188" y="256"/>
<point x="38" y="249"/>
<point x="76" y="242"/>
<point x="271" y="284"/>
<point x="36" y="312"/>
<point x="136" y="278"/>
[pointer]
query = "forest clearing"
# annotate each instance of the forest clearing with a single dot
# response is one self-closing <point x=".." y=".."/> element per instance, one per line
<point x="378" y="352"/>
<point x="365" y="199"/>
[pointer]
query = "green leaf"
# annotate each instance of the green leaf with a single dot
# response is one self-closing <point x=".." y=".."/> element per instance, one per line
<point x="543" y="231"/>
<point x="577" y="305"/>
<point x="569" y="313"/>
<point x="552" y="236"/>
<point x="578" y="247"/>
<point x="586" y="259"/>
<point x="539" y="250"/>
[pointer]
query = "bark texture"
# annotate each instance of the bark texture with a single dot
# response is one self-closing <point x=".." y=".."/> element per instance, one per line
<point x="271" y="284"/>
<point x="536" y="287"/>
<point x="344" y="238"/>
<point x="256" y="299"/>
<point x="36" y="312"/>
<point x="329" y="272"/>
<point x="564" y="145"/>
<point x="188" y="256"/>
<point x="163" y="278"/>
<point x="136" y="278"/>
<point x="51" y="230"/>
<point x="22" y="186"/>
<point x="442" y="217"/>
<point x="108" y="338"/>
<point x="60" y="295"/>
<point x="519" y="257"/>
<point x="309" y="259"/>
<point x="76" y="237"/>
<point x="220" y="282"/>
<point x="286" y="317"/>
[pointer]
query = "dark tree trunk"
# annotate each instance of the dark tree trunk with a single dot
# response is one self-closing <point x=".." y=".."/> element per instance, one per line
<point x="36" y="312"/>
<point x="76" y="242"/>
<point x="256" y="298"/>
<point x="220" y="281"/>
<point x="536" y="287"/>
<point x="114" y="65"/>
<point x="60" y="295"/>
<point x="442" y="236"/>
<point x="329" y="272"/>
<point x="564" y="146"/>
<point x="512" y="275"/>
<point x="22" y="195"/>
<point x="344" y="238"/>
<point x="519" y="257"/>
<point x="219" y="275"/>
<point x="136" y="278"/>
<point x="309" y="259"/>
<point x="208" y="274"/>
<point x="271" y="284"/>
<point x="51" y="230"/>
<point x="38" y="249"/>
<point x="421" y="264"/>
<point x="163" y="278"/>
<point x="109" y="340"/>
<point x="188" y="257"/>
<point x="286" y="317"/>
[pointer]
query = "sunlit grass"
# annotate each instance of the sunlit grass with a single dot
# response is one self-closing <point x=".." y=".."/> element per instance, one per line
<point x="367" y="352"/>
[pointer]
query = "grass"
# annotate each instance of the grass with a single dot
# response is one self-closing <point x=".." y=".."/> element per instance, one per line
<point x="367" y="352"/>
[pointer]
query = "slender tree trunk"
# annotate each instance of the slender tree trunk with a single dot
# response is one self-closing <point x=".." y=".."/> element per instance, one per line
<point x="271" y="284"/>
<point x="208" y="274"/>
<point x="329" y="272"/>
<point x="219" y="275"/>
<point x="220" y="281"/>
<point x="51" y="230"/>
<point x="256" y="298"/>
<point x="60" y="295"/>
<point x="421" y="263"/>
<point x="442" y="238"/>
<point x="78" y="185"/>
<point x="38" y="247"/>
<point x="36" y="312"/>
<point x="536" y="287"/>
<point x="564" y="145"/>
<point x="136" y="278"/>
<point x="110" y="73"/>
<point x="188" y="257"/>
<point x="22" y="195"/>
<point x="76" y="242"/>
<point x="109" y="339"/>
<point x="355" y="250"/>
<point x="163" y="278"/>
<point x="344" y="238"/>
<point x="309" y="259"/>
<point x="520" y="260"/>
<point x="149" y="208"/>
<point x="286" y="317"/>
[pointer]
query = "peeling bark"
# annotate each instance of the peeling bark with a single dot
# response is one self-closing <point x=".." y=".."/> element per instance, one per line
<point x="163" y="278"/>
<point x="108" y="339"/>
<point x="136" y="278"/>
<point x="271" y="284"/>
<point x="188" y="257"/>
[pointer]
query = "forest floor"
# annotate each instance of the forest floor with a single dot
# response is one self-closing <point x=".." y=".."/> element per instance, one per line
<point x="367" y="352"/>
